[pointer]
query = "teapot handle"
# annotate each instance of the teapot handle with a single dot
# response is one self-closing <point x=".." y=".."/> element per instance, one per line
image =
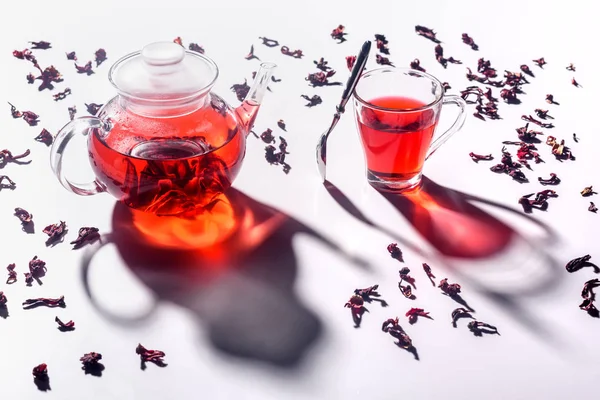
<point x="83" y="126"/>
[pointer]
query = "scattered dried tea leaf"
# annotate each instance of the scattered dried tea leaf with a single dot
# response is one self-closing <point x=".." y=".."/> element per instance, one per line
<point x="45" y="137"/>
<point x="46" y="302"/>
<point x="86" y="234"/>
<point x="100" y="56"/>
<point x="64" y="326"/>
<point x="312" y="101"/>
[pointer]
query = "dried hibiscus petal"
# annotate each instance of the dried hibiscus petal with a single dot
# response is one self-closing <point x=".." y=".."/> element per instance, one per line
<point x="281" y="124"/>
<point x="42" y="45"/>
<point x="350" y="61"/>
<point x="469" y="41"/>
<point x="540" y="62"/>
<point x="153" y="356"/>
<point x="426" y="33"/>
<point x="65" y="326"/>
<point x="395" y="251"/>
<point x="84" y="69"/>
<point x="392" y="327"/>
<point x="6" y="156"/>
<point x="414" y="313"/>
<point x="91" y="363"/>
<point x="45" y="137"/>
<point x="267" y="136"/>
<point x="296" y="53"/>
<point x="580" y="262"/>
<point x="55" y="232"/>
<point x="451" y="289"/>
<point x="250" y="55"/>
<point x="93" y="108"/>
<point x="429" y="273"/>
<point x="416" y="64"/>
<point x="269" y="42"/>
<point x="71" y="56"/>
<point x="100" y="56"/>
<point x="460" y="313"/>
<point x="381" y="60"/>
<point x="31" y="118"/>
<point x="14" y="112"/>
<point x="3" y="299"/>
<point x="72" y="112"/>
<point x="12" y="274"/>
<point x="338" y="34"/>
<point x="85" y="235"/>
<point x="478" y="328"/>
<point x="241" y="90"/>
<point x="62" y="95"/>
<point x="11" y="184"/>
<point x="46" y="302"/>
<point x="312" y="101"/>
<point x="24" y="216"/>
<point x="196" y="47"/>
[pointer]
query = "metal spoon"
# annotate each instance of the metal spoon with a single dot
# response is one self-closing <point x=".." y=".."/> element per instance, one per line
<point x="361" y="61"/>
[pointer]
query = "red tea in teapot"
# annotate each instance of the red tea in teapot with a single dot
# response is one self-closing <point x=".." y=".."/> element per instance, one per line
<point x="190" y="160"/>
<point x="165" y="144"/>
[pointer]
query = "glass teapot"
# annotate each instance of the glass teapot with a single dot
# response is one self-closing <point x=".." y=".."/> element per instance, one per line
<point x="165" y="144"/>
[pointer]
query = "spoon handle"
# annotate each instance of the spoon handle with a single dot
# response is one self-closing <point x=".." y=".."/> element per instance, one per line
<point x="361" y="61"/>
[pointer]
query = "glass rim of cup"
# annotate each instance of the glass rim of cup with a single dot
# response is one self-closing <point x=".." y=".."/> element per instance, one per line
<point x="403" y="71"/>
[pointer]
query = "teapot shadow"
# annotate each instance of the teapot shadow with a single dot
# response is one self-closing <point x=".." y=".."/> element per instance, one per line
<point x="232" y="265"/>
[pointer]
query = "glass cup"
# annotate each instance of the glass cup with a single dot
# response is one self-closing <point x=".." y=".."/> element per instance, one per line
<point x="397" y="111"/>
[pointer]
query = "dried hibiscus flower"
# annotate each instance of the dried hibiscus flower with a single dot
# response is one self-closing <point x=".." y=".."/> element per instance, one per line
<point x="46" y="302"/>
<point x="11" y="184"/>
<point x="91" y="363"/>
<point x="414" y="313"/>
<point x="580" y="262"/>
<point x="356" y="306"/>
<point x="241" y="90"/>
<point x="84" y="69"/>
<point x="312" y="101"/>
<point x="350" y="61"/>
<point x="451" y="289"/>
<point x="395" y="251"/>
<point x="45" y="137"/>
<point x="12" y="274"/>
<point x="338" y="34"/>
<point x="64" y="326"/>
<point x="426" y="33"/>
<point x="41" y="45"/>
<point x="6" y="156"/>
<point x="321" y="79"/>
<point x="460" y="313"/>
<point x="55" y="232"/>
<point x="153" y="356"/>
<point x="24" y="216"/>
<point x="478" y="328"/>
<point x="100" y="55"/>
<point x="85" y="235"/>
<point x="93" y="108"/>
<point x="392" y="327"/>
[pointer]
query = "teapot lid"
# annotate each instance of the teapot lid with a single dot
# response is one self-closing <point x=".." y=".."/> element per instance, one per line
<point x="163" y="71"/>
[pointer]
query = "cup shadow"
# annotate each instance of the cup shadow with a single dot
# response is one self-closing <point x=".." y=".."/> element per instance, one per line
<point x="466" y="237"/>
<point x="232" y="265"/>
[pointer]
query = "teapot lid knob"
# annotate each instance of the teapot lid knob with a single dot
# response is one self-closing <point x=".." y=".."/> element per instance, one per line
<point x="163" y="53"/>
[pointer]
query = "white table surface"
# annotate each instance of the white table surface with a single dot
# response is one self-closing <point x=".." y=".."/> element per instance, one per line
<point x="229" y="338"/>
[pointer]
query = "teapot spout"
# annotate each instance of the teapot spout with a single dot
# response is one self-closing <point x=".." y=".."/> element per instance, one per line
<point x="248" y="110"/>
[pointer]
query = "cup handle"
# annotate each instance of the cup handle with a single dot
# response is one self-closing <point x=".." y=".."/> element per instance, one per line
<point x="83" y="126"/>
<point x="460" y="120"/>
